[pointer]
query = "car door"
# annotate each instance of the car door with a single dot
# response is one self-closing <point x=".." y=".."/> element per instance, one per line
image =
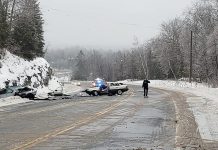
<point x="3" y="93"/>
<point x="116" y="86"/>
<point x="9" y="92"/>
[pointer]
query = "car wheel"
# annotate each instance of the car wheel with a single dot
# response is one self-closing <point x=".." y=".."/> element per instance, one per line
<point x="23" y="96"/>
<point x="119" y="92"/>
<point x="95" y="93"/>
<point x="110" y="94"/>
<point x="31" y="96"/>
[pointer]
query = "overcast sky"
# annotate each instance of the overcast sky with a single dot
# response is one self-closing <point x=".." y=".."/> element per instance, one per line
<point x="106" y="23"/>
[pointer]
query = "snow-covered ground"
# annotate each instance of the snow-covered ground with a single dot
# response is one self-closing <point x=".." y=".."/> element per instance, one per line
<point x="203" y="102"/>
<point x="42" y="92"/>
<point x="33" y="73"/>
<point x="18" y="69"/>
<point x="195" y="88"/>
<point x="63" y="75"/>
<point x="71" y="88"/>
<point x="54" y="84"/>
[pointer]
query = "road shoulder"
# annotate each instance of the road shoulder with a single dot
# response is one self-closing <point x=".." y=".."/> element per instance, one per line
<point x="187" y="131"/>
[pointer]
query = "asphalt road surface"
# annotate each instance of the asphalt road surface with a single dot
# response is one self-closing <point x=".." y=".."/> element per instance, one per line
<point x="130" y="121"/>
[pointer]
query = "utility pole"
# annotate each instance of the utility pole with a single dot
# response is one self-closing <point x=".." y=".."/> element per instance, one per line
<point x="216" y="58"/>
<point x="191" y="46"/>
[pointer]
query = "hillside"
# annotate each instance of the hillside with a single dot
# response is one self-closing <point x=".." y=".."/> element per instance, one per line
<point x="35" y="73"/>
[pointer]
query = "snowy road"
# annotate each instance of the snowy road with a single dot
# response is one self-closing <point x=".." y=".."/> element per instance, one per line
<point x="117" y="122"/>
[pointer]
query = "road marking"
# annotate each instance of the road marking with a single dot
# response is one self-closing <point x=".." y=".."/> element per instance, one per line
<point x="72" y="126"/>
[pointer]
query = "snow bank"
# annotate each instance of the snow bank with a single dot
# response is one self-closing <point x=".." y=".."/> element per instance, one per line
<point x="35" y="73"/>
<point x="18" y="69"/>
<point x="54" y="84"/>
<point x="198" y="89"/>
<point x="71" y="88"/>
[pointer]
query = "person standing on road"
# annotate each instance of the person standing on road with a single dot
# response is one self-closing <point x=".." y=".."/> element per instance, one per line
<point x="145" y="86"/>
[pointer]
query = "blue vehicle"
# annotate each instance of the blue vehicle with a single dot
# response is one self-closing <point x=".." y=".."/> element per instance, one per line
<point x="100" y="83"/>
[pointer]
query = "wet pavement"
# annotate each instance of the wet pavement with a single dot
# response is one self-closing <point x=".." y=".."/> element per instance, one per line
<point x="104" y="122"/>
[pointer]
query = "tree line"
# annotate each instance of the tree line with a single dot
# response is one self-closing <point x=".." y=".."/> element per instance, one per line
<point x="21" y="28"/>
<point x="174" y="53"/>
<point x="114" y="65"/>
<point x="167" y="56"/>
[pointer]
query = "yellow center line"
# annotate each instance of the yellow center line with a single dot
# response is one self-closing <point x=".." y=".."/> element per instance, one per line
<point x="72" y="126"/>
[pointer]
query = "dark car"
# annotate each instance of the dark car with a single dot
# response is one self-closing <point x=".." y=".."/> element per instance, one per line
<point x="26" y="92"/>
<point x="9" y="91"/>
<point x="6" y="93"/>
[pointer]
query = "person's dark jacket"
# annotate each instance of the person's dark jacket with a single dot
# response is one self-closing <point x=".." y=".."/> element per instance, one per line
<point x="145" y="84"/>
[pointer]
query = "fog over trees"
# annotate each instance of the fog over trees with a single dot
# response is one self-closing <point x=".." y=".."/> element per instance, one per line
<point x="166" y="56"/>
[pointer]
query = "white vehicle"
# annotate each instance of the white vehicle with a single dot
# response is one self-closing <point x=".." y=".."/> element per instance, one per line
<point x="57" y="92"/>
<point x="78" y="84"/>
<point x="117" y="88"/>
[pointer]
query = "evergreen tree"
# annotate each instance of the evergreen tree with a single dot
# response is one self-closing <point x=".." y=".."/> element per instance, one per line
<point x="81" y="72"/>
<point x="3" y="25"/>
<point x="28" y="31"/>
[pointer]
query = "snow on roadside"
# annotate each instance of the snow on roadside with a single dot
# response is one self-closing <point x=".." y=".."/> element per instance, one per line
<point x="197" y="89"/>
<point x="203" y="103"/>
<point x="54" y="84"/>
<point x="14" y="68"/>
<point x="13" y="100"/>
<point x="41" y="92"/>
<point x="70" y="88"/>
<point x="33" y="73"/>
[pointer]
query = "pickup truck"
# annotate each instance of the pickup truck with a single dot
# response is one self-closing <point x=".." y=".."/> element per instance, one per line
<point x="112" y="89"/>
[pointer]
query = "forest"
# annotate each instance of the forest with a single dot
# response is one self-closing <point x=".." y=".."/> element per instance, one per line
<point x="21" y="28"/>
<point x="185" y="48"/>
